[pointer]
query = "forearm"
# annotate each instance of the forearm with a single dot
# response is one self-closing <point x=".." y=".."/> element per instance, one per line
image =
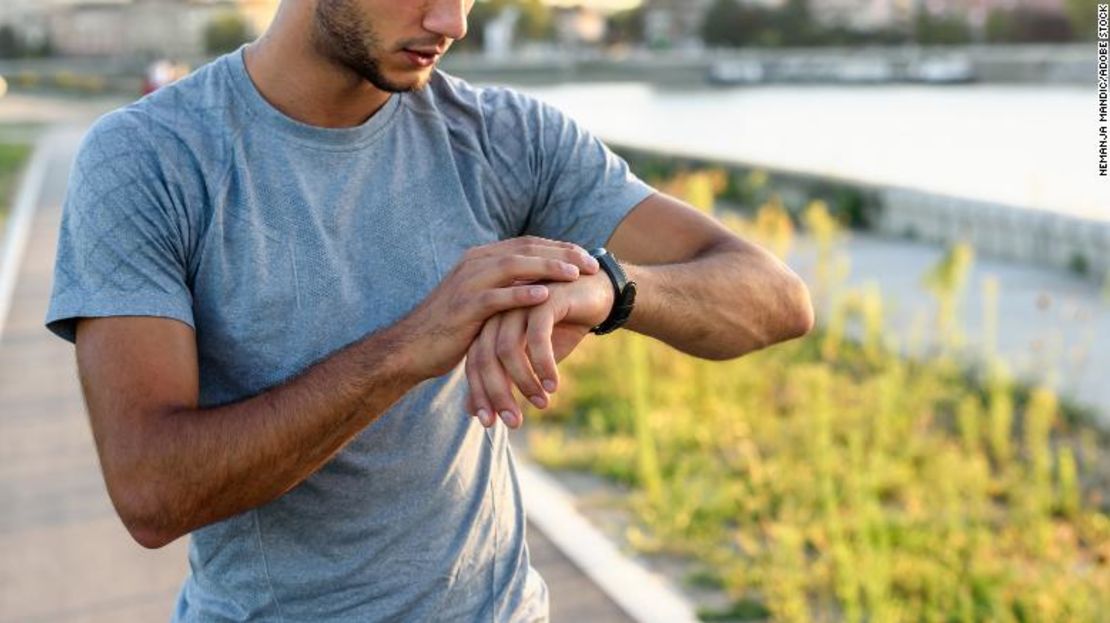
<point x="727" y="301"/>
<point x="198" y="466"/>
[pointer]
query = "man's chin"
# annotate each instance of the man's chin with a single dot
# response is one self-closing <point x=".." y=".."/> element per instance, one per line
<point x="403" y="81"/>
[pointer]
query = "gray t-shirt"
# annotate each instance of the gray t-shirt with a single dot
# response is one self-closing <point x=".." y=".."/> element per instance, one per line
<point x="279" y="243"/>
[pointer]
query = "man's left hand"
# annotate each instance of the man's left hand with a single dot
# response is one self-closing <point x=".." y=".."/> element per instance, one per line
<point x="522" y="347"/>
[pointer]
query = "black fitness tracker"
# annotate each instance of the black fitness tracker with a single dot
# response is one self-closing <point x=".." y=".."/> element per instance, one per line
<point x="624" y="292"/>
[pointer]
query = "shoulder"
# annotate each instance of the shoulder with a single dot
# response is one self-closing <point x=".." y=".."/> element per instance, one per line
<point x="460" y="102"/>
<point x="185" y="126"/>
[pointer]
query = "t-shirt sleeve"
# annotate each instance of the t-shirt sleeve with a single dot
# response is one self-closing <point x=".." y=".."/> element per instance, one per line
<point x="121" y="245"/>
<point x="580" y="189"/>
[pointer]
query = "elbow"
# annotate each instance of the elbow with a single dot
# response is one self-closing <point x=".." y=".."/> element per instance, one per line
<point x="143" y="515"/>
<point x="793" y="313"/>
<point x="799" y="309"/>
<point x="149" y="537"/>
<point x="790" y="316"/>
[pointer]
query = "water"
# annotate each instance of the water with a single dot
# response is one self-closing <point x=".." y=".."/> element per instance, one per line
<point x="1026" y="146"/>
<point x="1023" y="146"/>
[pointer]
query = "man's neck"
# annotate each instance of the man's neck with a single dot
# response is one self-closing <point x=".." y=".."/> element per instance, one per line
<point x="304" y="85"/>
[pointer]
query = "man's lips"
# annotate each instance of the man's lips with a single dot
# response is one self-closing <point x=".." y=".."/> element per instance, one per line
<point x="422" y="57"/>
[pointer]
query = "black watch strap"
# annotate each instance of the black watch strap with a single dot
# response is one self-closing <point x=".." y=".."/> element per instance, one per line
<point x="624" y="292"/>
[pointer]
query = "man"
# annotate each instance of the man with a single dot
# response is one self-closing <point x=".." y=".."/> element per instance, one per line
<point x="274" y="269"/>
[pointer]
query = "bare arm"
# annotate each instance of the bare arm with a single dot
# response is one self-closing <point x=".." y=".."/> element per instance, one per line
<point x="700" y="288"/>
<point x="171" y="467"/>
<point x="703" y="289"/>
<point x="734" y="299"/>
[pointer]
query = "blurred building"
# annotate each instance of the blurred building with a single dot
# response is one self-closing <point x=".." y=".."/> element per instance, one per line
<point x="27" y="18"/>
<point x="675" y="22"/>
<point x="498" y="33"/>
<point x="577" y="26"/>
<point x="129" y="27"/>
<point x="862" y="14"/>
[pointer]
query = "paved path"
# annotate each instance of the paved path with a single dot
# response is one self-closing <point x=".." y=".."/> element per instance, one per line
<point x="64" y="555"/>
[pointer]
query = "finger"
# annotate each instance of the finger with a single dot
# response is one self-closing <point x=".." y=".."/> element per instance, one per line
<point x="502" y="270"/>
<point x="480" y="356"/>
<point x="494" y="379"/>
<point x="510" y="351"/>
<point x="490" y="302"/>
<point x="540" y="247"/>
<point x="479" y="401"/>
<point x="541" y="323"/>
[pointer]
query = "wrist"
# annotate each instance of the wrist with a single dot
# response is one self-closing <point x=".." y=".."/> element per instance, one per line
<point x="604" y="295"/>
<point x="623" y="289"/>
<point x="398" y="349"/>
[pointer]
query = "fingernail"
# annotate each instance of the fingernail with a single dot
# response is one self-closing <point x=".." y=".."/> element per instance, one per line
<point x="537" y="291"/>
<point x="507" y="417"/>
<point x="570" y="269"/>
<point x="538" y="401"/>
<point x="483" y="416"/>
<point x="549" y="385"/>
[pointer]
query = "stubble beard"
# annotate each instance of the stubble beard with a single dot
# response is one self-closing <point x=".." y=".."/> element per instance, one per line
<point x="342" y="35"/>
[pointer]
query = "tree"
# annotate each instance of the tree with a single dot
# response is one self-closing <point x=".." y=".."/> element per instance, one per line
<point x="226" y="32"/>
<point x="1081" y="16"/>
<point x="626" y="26"/>
<point x="535" y="21"/>
<point x="727" y="23"/>
<point x="481" y="14"/>
<point x="11" y="44"/>
<point x="794" y="24"/>
<point x="1026" y="25"/>
<point x="940" y="29"/>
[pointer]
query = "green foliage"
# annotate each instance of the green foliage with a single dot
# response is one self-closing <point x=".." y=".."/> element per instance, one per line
<point x="481" y="13"/>
<point x="14" y="45"/>
<point x="833" y="479"/>
<point x="1030" y="25"/>
<point x="626" y="26"/>
<point x="730" y="23"/>
<point x="12" y="158"/>
<point x="225" y="33"/>
<point x="1078" y="264"/>
<point x="1081" y="17"/>
<point x="535" y="21"/>
<point x="733" y="23"/>
<point x="946" y="283"/>
<point x="743" y="610"/>
<point x="11" y="44"/>
<point x="940" y="29"/>
<point x="748" y="189"/>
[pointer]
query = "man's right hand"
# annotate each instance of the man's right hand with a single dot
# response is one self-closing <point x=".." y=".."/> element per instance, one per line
<point x="488" y="280"/>
<point x="171" y="466"/>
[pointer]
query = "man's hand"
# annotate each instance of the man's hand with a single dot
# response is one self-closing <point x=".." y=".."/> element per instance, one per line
<point x="171" y="466"/>
<point x="488" y="280"/>
<point x="522" y="346"/>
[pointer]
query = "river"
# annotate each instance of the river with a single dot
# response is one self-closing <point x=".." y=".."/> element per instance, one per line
<point x="1021" y="145"/>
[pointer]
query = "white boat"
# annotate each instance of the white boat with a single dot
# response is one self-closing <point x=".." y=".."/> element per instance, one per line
<point x="736" y="72"/>
<point x="864" y="70"/>
<point x="942" y="70"/>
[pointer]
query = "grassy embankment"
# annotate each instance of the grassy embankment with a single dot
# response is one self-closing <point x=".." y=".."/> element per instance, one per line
<point x="12" y="158"/>
<point x="835" y="479"/>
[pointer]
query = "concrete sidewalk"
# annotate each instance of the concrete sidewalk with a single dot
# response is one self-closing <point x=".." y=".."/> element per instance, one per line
<point x="65" y="554"/>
